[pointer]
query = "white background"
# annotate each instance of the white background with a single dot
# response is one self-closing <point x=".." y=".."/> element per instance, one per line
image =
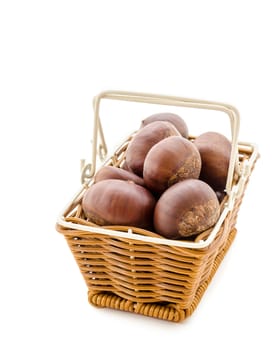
<point x="55" y="56"/>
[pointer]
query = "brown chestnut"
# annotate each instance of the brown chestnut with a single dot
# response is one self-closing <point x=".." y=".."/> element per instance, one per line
<point x="169" y="161"/>
<point x="185" y="209"/>
<point x="215" y="151"/>
<point x="119" y="202"/>
<point x="111" y="172"/>
<point x="144" y="139"/>
<point x="220" y="195"/>
<point x="174" y="119"/>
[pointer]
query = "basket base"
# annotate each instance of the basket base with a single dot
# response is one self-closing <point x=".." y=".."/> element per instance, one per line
<point x="169" y="311"/>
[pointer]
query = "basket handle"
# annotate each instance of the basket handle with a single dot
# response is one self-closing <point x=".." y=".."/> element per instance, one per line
<point x="233" y="114"/>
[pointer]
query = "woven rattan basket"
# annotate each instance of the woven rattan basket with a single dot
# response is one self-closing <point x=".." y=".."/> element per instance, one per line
<point x="134" y="270"/>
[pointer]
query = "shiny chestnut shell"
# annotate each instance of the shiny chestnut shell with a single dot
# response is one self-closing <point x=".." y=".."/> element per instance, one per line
<point x="185" y="209"/>
<point x="169" y="161"/>
<point x="215" y="150"/>
<point x="174" y="119"/>
<point x="110" y="172"/>
<point x="142" y="142"/>
<point x="118" y="202"/>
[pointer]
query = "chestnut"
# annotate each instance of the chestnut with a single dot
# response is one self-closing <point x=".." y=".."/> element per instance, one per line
<point x="186" y="209"/>
<point x="119" y="202"/>
<point x="112" y="172"/>
<point x="169" y="161"/>
<point x="215" y="150"/>
<point x="174" y="119"/>
<point x="143" y="140"/>
<point x="220" y="195"/>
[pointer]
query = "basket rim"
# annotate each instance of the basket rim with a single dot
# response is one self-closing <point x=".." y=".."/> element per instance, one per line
<point x="236" y="192"/>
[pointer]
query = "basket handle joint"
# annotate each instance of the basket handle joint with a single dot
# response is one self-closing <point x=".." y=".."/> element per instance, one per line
<point x="245" y="172"/>
<point x="232" y="197"/>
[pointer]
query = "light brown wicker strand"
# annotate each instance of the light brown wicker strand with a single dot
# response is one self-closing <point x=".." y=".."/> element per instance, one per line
<point x="163" y="312"/>
<point x="111" y="301"/>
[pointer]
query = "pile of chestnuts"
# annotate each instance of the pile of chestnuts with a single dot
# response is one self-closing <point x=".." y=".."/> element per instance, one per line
<point x="168" y="183"/>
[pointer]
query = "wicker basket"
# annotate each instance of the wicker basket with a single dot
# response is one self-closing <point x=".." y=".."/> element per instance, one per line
<point x="134" y="270"/>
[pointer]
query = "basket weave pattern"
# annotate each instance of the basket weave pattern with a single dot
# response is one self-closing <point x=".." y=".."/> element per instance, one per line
<point x="155" y="280"/>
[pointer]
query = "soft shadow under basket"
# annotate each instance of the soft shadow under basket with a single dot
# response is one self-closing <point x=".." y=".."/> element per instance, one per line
<point x="134" y="270"/>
